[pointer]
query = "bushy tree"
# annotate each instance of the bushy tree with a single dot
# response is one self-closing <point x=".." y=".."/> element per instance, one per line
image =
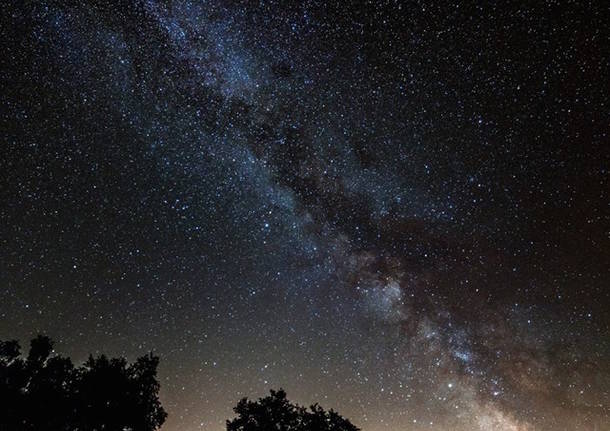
<point x="47" y="392"/>
<point x="276" y="413"/>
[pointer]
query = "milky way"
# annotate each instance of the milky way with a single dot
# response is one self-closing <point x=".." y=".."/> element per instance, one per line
<point x="398" y="209"/>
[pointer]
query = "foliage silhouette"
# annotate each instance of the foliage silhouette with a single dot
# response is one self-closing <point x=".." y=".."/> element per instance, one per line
<point x="47" y="392"/>
<point x="275" y="413"/>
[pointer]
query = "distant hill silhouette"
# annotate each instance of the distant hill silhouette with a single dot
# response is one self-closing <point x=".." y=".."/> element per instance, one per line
<point x="46" y="392"/>
<point x="276" y="413"/>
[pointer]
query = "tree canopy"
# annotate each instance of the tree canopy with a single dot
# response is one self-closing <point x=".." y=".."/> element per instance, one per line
<point x="275" y="413"/>
<point x="45" y="391"/>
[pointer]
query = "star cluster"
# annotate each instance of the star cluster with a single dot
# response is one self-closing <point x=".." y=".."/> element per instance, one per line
<point x="396" y="209"/>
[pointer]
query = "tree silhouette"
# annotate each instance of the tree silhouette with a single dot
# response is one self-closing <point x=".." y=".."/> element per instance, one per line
<point x="276" y="413"/>
<point x="47" y="392"/>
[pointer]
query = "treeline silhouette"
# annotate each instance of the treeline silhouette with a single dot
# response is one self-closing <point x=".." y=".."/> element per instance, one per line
<point x="276" y="413"/>
<point x="44" y="391"/>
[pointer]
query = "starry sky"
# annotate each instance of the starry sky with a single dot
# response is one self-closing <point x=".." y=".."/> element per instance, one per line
<point x="397" y="209"/>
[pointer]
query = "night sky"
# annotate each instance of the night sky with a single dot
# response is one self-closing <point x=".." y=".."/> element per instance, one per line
<point x="399" y="210"/>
